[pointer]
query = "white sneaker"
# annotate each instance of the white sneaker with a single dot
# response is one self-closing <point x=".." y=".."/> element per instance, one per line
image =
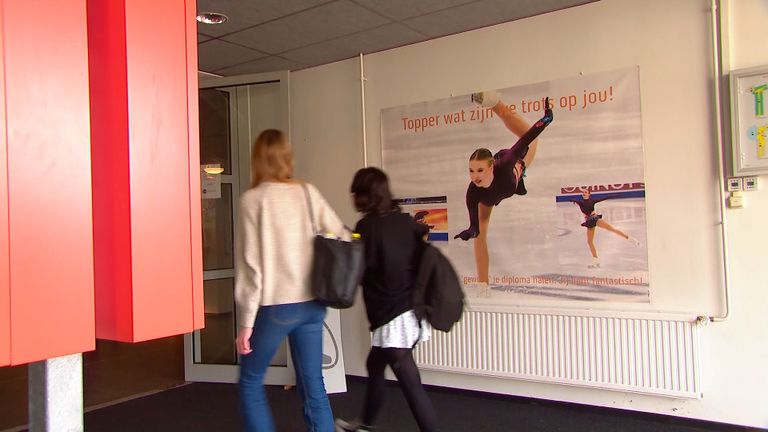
<point x="595" y="264"/>
<point x="345" y="426"/>
<point x="487" y="99"/>
<point x="634" y="240"/>
<point x="483" y="290"/>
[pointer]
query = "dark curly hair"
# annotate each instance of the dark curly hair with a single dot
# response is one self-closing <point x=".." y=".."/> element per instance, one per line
<point x="370" y="190"/>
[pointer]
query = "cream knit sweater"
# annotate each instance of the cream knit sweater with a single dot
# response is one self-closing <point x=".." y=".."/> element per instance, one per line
<point x="273" y="246"/>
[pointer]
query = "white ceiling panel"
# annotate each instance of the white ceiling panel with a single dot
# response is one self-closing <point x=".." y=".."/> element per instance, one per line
<point x="456" y="20"/>
<point x="402" y="9"/>
<point x="380" y="38"/>
<point x="312" y="26"/>
<point x="324" y="52"/>
<point x="473" y="16"/>
<point x="269" y="35"/>
<point x="266" y="64"/>
<point x="216" y="54"/>
<point x="247" y="13"/>
<point x="518" y="9"/>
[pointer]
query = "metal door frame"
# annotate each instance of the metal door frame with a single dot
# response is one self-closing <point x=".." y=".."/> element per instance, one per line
<point x="242" y="135"/>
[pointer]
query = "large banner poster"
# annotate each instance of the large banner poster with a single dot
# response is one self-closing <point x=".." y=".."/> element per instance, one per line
<point x="530" y="204"/>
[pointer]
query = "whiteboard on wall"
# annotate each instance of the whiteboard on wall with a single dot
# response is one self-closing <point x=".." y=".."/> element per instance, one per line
<point x="749" y="91"/>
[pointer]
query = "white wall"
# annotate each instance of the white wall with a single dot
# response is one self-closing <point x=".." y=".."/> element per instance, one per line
<point x="326" y="134"/>
<point x="670" y="41"/>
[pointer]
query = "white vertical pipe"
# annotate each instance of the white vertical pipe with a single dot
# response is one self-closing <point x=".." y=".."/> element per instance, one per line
<point x="717" y="59"/>
<point x="362" y="111"/>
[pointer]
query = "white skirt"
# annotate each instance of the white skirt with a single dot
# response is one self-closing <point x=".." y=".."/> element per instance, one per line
<point x="402" y="332"/>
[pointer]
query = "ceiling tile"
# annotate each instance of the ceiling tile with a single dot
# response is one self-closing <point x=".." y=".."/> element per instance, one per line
<point x="322" y="53"/>
<point x="266" y="64"/>
<point x="216" y="54"/>
<point x="527" y="8"/>
<point x="247" y="13"/>
<point x="315" y="25"/>
<point x="403" y="9"/>
<point x="322" y="31"/>
<point x="451" y="21"/>
<point x="380" y="38"/>
<point x="484" y="13"/>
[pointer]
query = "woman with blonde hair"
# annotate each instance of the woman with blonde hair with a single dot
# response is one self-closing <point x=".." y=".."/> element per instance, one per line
<point x="273" y="251"/>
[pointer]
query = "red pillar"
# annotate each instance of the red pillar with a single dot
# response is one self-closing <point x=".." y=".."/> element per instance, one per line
<point x="46" y="252"/>
<point x="146" y="185"/>
<point x="5" y="278"/>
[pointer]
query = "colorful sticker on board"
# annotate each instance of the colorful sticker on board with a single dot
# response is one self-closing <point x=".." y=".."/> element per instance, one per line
<point x="758" y="134"/>
<point x="430" y="211"/>
<point x="759" y="99"/>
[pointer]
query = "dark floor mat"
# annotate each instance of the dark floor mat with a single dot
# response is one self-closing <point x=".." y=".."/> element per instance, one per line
<point x="214" y="407"/>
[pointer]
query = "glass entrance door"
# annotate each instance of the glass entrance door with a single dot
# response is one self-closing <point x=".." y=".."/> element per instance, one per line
<point x="233" y="111"/>
<point x="230" y="116"/>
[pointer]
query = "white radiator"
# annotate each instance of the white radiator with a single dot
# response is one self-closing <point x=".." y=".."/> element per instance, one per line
<point x="658" y="357"/>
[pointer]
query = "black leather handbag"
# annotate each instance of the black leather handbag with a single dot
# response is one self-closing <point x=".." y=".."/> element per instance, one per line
<point x="337" y="266"/>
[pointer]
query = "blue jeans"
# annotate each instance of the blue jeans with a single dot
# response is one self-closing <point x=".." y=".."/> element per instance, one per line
<point x="303" y="324"/>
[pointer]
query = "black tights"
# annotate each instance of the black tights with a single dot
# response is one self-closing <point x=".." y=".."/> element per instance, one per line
<point x="520" y="149"/>
<point x="402" y="364"/>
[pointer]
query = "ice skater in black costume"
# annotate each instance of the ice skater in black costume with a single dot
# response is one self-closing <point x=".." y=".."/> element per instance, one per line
<point x="592" y="219"/>
<point x="495" y="177"/>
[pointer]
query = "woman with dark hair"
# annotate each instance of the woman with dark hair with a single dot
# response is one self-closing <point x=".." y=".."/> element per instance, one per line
<point x="495" y="177"/>
<point x="391" y="240"/>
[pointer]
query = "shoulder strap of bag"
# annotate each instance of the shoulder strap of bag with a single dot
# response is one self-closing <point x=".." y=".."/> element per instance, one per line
<point x="312" y="213"/>
<point x="309" y="208"/>
<point x="424" y="269"/>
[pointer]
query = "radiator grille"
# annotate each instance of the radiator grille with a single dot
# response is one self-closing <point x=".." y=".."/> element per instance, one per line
<point x="641" y="355"/>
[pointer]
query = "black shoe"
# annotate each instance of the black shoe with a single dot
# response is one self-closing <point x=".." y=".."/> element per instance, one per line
<point x="521" y="190"/>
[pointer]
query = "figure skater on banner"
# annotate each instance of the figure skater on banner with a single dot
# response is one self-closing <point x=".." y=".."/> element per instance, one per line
<point x="494" y="177"/>
<point x="592" y="219"/>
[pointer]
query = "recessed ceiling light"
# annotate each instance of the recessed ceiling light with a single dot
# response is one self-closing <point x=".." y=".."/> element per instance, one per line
<point x="211" y="18"/>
